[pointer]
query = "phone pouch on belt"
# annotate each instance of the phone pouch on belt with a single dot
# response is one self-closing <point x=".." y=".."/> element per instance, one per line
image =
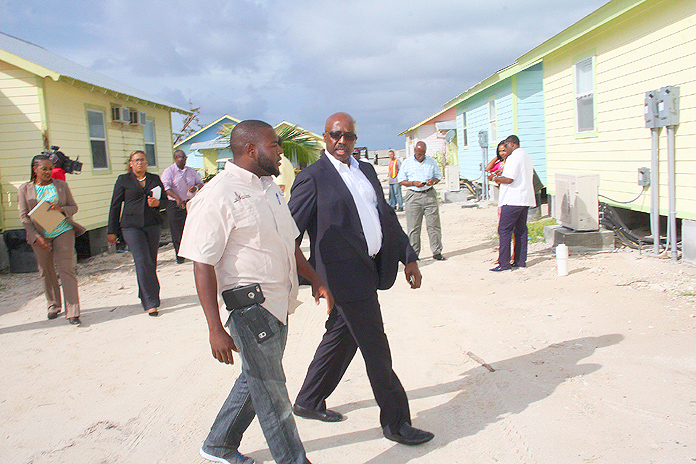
<point x="245" y="302"/>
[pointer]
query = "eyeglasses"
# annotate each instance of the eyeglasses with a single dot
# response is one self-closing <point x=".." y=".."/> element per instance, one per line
<point x="349" y="136"/>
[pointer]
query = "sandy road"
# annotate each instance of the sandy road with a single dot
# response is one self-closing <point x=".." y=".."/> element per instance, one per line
<point x="595" y="367"/>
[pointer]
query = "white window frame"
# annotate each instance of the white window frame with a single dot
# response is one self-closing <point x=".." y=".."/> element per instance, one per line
<point x="93" y="138"/>
<point x="584" y="91"/>
<point x="148" y="128"/>
<point x="465" y="132"/>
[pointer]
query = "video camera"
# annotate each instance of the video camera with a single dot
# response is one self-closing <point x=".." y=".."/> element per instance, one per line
<point x="59" y="159"/>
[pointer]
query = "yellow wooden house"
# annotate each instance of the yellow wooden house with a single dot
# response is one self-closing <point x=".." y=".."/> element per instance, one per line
<point x="48" y="100"/>
<point x="596" y="76"/>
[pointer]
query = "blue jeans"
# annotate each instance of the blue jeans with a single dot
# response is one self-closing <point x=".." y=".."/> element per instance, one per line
<point x="395" y="196"/>
<point x="259" y="390"/>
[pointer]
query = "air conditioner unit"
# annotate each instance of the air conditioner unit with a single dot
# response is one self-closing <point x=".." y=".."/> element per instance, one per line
<point x="137" y="118"/>
<point x="577" y="202"/>
<point x="121" y="114"/>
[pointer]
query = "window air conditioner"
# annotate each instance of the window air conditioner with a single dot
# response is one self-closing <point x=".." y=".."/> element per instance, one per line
<point x="137" y="118"/>
<point x="121" y="114"/>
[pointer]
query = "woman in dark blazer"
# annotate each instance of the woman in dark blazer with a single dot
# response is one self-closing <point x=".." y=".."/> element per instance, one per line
<point x="142" y="196"/>
<point x="54" y="248"/>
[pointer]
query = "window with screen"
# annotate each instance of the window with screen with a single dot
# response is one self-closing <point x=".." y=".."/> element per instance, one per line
<point x="584" y="95"/>
<point x="149" y="136"/>
<point x="97" y="139"/>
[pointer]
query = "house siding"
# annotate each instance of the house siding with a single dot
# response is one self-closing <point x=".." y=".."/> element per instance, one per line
<point x="530" y="117"/>
<point x="649" y="47"/>
<point x="21" y="101"/>
<point x="476" y="108"/>
<point x="20" y="119"/>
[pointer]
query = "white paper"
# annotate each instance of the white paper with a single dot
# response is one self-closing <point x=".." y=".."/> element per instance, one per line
<point x="156" y="192"/>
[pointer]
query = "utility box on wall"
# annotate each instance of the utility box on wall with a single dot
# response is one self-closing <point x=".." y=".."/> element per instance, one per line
<point x="577" y="201"/>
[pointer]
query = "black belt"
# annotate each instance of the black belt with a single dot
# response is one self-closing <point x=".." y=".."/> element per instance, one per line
<point x="422" y="191"/>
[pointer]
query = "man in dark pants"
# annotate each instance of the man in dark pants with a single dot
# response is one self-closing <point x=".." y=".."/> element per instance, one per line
<point x="181" y="183"/>
<point x="516" y="196"/>
<point x="356" y="246"/>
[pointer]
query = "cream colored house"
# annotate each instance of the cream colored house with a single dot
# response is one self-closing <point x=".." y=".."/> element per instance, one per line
<point x="47" y="100"/>
<point x="596" y="75"/>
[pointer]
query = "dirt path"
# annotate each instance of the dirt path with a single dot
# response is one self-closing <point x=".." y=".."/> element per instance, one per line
<point x="595" y="367"/>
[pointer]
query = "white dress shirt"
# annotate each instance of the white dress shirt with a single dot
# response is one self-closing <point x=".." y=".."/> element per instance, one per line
<point x="365" y="200"/>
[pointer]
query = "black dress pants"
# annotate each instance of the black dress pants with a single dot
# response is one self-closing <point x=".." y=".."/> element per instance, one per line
<point x="353" y="325"/>
<point x="176" y="217"/>
<point x="143" y="243"/>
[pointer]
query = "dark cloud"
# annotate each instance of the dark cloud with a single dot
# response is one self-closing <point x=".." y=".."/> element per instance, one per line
<point x="389" y="64"/>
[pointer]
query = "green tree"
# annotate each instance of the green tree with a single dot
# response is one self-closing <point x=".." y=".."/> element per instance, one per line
<point x="298" y="145"/>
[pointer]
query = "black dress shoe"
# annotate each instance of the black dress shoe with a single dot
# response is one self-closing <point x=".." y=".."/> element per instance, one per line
<point x="326" y="415"/>
<point x="515" y="265"/>
<point x="75" y="320"/>
<point x="439" y="257"/>
<point x="500" y="268"/>
<point x="53" y="315"/>
<point x="180" y="260"/>
<point x="410" y="435"/>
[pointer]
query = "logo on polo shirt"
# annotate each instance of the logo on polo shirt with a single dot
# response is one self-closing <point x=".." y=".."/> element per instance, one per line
<point x="239" y="196"/>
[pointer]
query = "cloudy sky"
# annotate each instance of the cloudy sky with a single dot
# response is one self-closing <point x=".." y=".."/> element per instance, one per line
<point x="388" y="63"/>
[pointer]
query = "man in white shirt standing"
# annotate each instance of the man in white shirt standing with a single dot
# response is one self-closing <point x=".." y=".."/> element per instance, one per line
<point x="516" y="196"/>
<point x="240" y="232"/>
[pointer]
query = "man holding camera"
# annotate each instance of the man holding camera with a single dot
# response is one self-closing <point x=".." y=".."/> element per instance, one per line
<point x="240" y="233"/>
<point x="181" y="183"/>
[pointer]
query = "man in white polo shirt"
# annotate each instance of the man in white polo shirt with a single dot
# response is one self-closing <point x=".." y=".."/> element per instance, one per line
<point x="239" y="232"/>
<point x="516" y="196"/>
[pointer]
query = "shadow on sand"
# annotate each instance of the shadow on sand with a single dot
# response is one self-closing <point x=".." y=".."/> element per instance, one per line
<point x="482" y="397"/>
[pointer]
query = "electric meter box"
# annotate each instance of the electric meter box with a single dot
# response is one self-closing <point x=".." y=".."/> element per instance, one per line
<point x="650" y="109"/>
<point x="668" y="106"/>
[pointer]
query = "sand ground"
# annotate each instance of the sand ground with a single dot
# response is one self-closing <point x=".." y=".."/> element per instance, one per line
<point x="595" y="367"/>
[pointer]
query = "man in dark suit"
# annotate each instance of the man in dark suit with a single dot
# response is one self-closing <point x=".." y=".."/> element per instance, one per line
<point x="356" y="246"/>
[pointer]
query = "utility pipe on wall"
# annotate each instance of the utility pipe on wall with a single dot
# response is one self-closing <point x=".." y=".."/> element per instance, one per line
<point x="672" y="192"/>
<point x="655" y="190"/>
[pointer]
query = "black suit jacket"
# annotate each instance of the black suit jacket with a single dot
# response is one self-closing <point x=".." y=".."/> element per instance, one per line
<point x="322" y="205"/>
<point x="133" y="197"/>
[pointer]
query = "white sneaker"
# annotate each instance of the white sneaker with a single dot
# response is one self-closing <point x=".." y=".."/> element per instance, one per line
<point x="230" y="458"/>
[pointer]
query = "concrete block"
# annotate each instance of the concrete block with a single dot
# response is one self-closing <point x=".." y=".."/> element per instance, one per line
<point x="579" y="242"/>
<point x="689" y="241"/>
<point x="454" y="197"/>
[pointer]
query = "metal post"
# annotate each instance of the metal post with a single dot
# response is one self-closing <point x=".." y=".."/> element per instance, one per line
<point x="485" y="195"/>
<point x="672" y="192"/>
<point x="655" y="190"/>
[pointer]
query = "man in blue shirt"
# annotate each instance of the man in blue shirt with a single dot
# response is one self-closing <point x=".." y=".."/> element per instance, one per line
<point x="418" y="175"/>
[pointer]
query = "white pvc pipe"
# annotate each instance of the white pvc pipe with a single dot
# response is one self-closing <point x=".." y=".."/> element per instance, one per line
<point x="672" y="192"/>
<point x="562" y="259"/>
<point x="655" y="190"/>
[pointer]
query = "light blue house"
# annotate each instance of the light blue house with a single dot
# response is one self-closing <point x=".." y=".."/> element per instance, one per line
<point x="204" y="154"/>
<point x="510" y="101"/>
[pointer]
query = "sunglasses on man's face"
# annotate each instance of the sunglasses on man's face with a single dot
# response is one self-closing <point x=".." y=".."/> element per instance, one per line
<point x="349" y="136"/>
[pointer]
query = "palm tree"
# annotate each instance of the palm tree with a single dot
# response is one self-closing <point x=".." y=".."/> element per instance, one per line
<point x="298" y="145"/>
